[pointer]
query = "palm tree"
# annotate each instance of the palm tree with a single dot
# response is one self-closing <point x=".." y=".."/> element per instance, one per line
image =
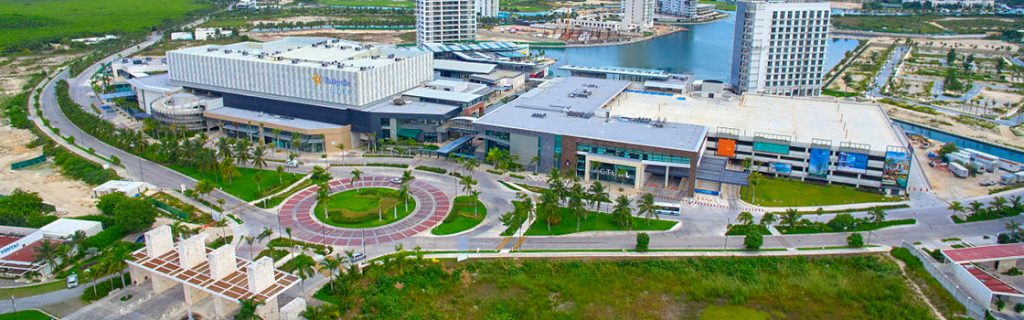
<point x="303" y="269"/>
<point x="598" y="195"/>
<point x="1015" y="201"/>
<point x="956" y="207"/>
<point x="791" y="217"/>
<point x="322" y="196"/>
<point x="319" y="175"/>
<point x="296" y="143"/>
<point x="242" y="152"/>
<point x="998" y="204"/>
<point x="356" y="176"/>
<point x="248" y="241"/>
<point x="622" y="213"/>
<point x="88" y="276"/>
<point x="280" y="174"/>
<point x="535" y="161"/>
<point x="977" y="207"/>
<point x="115" y="259"/>
<point x="77" y="239"/>
<point x="467" y="183"/>
<point x="768" y="219"/>
<point x="407" y="177"/>
<point x="647" y="208"/>
<point x="576" y="206"/>
<point x="527" y="205"/>
<point x="228" y="170"/>
<point x="277" y="137"/>
<point x="247" y="310"/>
<point x="470" y="165"/>
<point x="203" y="187"/>
<point x="475" y="195"/>
<point x="548" y="208"/>
<point x="1013" y="227"/>
<point x="557" y="185"/>
<point x="878" y="214"/>
<point x="259" y="154"/>
<point x="745" y="218"/>
<point x="46" y="252"/>
<point x="329" y="266"/>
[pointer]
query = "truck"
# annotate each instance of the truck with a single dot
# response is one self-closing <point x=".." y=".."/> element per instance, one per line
<point x="958" y="170"/>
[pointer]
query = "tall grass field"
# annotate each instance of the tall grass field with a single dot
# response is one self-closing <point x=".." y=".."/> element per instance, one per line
<point x="27" y="22"/>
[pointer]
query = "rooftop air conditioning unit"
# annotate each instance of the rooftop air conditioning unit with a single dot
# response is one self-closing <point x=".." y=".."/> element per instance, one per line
<point x="391" y="55"/>
<point x="295" y="61"/>
<point x="398" y="102"/>
<point x="211" y="49"/>
<point x="227" y="50"/>
<point x="362" y="68"/>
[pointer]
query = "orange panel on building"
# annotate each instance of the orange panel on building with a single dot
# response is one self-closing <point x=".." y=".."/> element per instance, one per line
<point x="726" y="147"/>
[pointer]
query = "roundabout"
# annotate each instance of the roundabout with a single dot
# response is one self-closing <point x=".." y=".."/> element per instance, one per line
<point x="428" y="207"/>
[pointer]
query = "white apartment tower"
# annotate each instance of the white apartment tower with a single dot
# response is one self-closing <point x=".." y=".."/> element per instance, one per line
<point x="445" y="21"/>
<point x="779" y="47"/>
<point x="487" y="8"/>
<point x="638" y="14"/>
<point x="681" y="8"/>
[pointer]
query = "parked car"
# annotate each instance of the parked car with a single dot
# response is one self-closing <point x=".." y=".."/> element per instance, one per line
<point x="291" y="163"/>
<point x="356" y="257"/>
<point x="396" y="180"/>
<point x="72" y="280"/>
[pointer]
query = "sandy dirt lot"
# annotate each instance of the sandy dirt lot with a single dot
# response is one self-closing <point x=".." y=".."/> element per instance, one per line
<point x="846" y="5"/>
<point x="1001" y="136"/>
<point x="948" y="186"/>
<point x="71" y="197"/>
<point x="15" y="71"/>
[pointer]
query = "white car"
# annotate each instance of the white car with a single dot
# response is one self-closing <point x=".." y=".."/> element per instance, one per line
<point x="396" y="180"/>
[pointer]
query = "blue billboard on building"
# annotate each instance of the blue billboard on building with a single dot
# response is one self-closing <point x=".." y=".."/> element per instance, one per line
<point x="818" y="163"/>
<point x="852" y="162"/>
<point x="783" y="168"/>
<point x="896" y="170"/>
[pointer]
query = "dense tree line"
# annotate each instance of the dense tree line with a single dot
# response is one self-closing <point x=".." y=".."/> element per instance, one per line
<point x="24" y="209"/>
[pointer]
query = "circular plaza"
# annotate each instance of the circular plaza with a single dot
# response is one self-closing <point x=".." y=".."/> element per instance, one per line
<point x="427" y="208"/>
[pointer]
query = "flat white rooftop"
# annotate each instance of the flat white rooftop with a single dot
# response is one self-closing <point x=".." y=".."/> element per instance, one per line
<point x="803" y="119"/>
<point x="307" y="51"/>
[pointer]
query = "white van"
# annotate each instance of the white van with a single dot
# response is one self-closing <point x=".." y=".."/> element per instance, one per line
<point x="72" y="280"/>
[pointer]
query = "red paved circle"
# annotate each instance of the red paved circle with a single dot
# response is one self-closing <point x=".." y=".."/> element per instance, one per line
<point x="431" y="207"/>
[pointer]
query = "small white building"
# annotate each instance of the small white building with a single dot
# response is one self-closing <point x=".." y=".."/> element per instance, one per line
<point x="129" y="188"/>
<point x="212" y="33"/>
<point x="64" y="228"/>
<point x="181" y="36"/>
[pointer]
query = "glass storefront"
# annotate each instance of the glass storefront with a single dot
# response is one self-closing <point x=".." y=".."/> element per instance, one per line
<point x="607" y="172"/>
<point x="627" y="153"/>
<point x="307" y="143"/>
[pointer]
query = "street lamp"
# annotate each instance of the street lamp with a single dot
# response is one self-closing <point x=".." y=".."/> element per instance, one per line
<point x="142" y="175"/>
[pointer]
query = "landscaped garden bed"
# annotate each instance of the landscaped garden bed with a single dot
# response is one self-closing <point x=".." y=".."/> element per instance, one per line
<point x="365" y="208"/>
<point x="462" y="217"/>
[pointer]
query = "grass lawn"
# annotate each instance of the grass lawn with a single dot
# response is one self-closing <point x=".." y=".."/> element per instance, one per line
<point x="25" y="315"/>
<point x="596" y="222"/>
<point x="370" y="3"/>
<point x="362" y="208"/>
<point x="780" y="192"/>
<point x="461" y="217"/>
<point x="526" y="5"/>
<point x="841" y="287"/>
<point x="33" y="290"/>
<point x="243" y="186"/>
<point x="720" y="5"/>
<point x="25" y="21"/>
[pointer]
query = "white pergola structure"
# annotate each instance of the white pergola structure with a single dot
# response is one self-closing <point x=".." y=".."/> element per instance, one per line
<point x="206" y="273"/>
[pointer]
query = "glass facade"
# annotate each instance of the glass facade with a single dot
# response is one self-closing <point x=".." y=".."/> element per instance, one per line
<point x="307" y="143"/>
<point x="607" y="172"/>
<point x="627" y="153"/>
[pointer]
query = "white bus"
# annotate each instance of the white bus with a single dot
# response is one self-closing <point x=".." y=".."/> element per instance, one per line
<point x="665" y="208"/>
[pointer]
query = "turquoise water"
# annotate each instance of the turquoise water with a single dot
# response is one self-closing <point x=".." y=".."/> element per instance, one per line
<point x="705" y="50"/>
<point x="962" y="142"/>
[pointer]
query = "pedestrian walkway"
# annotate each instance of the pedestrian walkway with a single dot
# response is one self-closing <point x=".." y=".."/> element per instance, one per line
<point x="432" y="206"/>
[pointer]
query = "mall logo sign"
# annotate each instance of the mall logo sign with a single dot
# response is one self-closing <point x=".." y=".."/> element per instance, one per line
<point x="339" y="83"/>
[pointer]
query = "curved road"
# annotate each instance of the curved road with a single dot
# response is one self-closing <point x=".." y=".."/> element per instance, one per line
<point x="701" y="227"/>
